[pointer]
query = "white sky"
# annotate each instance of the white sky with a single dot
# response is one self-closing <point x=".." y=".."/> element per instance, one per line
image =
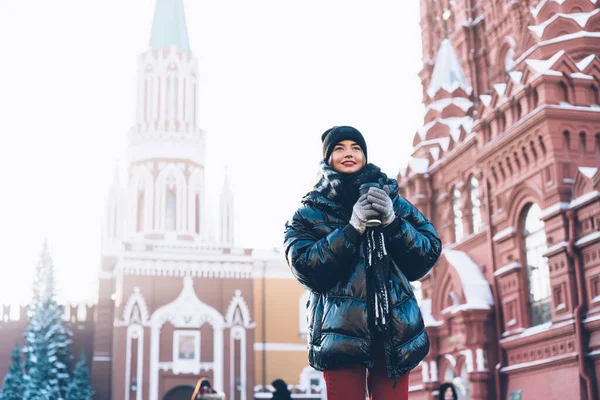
<point x="274" y="74"/>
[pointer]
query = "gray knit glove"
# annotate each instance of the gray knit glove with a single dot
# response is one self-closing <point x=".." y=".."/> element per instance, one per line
<point x="361" y="213"/>
<point x="382" y="203"/>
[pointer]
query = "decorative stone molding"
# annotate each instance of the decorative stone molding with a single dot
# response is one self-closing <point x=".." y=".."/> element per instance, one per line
<point x="191" y="268"/>
<point x="242" y="318"/>
<point x="133" y="314"/>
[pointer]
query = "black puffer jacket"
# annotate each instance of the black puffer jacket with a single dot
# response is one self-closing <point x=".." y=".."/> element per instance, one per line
<point x="327" y="256"/>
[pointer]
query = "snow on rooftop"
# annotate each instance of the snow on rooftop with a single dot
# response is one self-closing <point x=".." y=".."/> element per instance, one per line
<point x="426" y="311"/>
<point x="445" y="143"/>
<point x="516" y="76"/>
<point x="500" y="88"/>
<point x="418" y="165"/>
<point x="585" y="62"/>
<point x="588" y="171"/>
<point x="475" y="287"/>
<point x="486" y="99"/>
<point x="543" y="66"/>
<point x="453" y="125"/>
<point x="461" y="102"/>
<point x="447" y="72"/>
<point x="580" y="18"/>
<point x="536" y="10"/>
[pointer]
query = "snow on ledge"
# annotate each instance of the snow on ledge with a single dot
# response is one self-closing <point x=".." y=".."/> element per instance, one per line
<point x="543" y="66"/>
<point x="506" y="268"/>
<point x="588" y="239"/>
<point x="584" y="199"/>
<point x="504" y="233"/>
<point x="585" y="62"/>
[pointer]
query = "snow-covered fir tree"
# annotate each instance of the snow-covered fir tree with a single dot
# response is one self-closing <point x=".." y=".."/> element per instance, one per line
<point x="80" y="388"/>
<point x="12" y="387"/>
<point x="47" y="339"/>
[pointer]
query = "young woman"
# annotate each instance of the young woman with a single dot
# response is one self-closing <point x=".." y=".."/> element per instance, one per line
<point x="362" y="312"/>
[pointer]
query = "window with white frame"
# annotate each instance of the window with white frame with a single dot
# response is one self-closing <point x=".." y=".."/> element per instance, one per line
<point x="534" y="238"/>
<point x="170" y="216"/>
<point x="139" y="223"/>
<point x="457" y="214"/>
<point x="186" y="351"/>
<point x="475" y="204"/>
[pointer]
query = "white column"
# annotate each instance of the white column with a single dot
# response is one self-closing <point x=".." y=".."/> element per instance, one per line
<point x="134" y="332"/>
<point x="188" y="98"/>
<point x="180" y="105"/>
<point x="237" y="333"/>
<point x="128" y="363"/>
<point x="148" y="99"/>
<point x="243" y="363"/>
<point x="163" y="96"/>
<point x="140" y="92"/>
<point x="154" y="352"/>
<point x="218" y="357"/>
<point x="140" y="362"/>
<point x="156" y="91"/>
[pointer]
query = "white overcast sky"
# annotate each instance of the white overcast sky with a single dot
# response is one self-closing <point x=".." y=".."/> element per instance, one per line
<point x="274" y="74"/>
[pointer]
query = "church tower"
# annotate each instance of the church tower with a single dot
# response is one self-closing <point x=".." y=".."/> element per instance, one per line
<point x="173" y="304"/>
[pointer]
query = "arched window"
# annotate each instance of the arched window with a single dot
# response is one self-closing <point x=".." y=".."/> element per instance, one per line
<point x="463" y="386"/>
<point x="475" y="204"/>
<point x="458" y="225"/>
<point x="140" y="212"/>
<point x="582" y="142"/>
<point x="449" y="374"/>
<point x="534" y="238"/>
<point x="509" y="60"/>
<point x="170" y="215"/>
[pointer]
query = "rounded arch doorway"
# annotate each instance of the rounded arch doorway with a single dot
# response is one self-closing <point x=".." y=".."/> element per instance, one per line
<point x="179" y="393"/>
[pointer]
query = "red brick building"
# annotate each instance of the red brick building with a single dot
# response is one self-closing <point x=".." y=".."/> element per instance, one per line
<point x="507" y="167"/>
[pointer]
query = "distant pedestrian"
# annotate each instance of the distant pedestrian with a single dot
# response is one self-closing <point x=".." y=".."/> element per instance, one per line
<point x="203" y="387"/>
<point x="281" y="391"/>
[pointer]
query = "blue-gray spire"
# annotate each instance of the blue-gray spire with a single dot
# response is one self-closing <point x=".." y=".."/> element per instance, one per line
<point x="169" y="27"/>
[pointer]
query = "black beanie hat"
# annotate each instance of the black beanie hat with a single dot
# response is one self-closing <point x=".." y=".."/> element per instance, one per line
<point x="334" y="135"/>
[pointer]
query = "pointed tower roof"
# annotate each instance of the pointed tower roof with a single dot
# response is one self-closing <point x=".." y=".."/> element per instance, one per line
<point x="169" y="27"/>
<point x="447" y="73"/>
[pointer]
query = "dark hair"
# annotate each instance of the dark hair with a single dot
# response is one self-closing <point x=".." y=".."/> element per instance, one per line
<point x="445" y="387"/>
<point x="279" y="385"/>
<point x="205" y="383"/>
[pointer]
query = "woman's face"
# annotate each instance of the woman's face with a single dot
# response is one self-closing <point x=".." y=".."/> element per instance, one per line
<point x="347" y="157"/>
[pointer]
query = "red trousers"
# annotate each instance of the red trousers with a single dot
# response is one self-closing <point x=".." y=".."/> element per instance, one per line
<point x="349" y="383"/>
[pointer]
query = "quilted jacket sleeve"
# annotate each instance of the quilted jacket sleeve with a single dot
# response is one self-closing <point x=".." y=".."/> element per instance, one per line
<point x="412" y="241"/>
<point x="319" y="263"/>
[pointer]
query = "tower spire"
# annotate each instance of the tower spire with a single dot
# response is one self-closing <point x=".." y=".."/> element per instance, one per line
<point x="169" y="27"/>
<point x="447" y="73"/>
